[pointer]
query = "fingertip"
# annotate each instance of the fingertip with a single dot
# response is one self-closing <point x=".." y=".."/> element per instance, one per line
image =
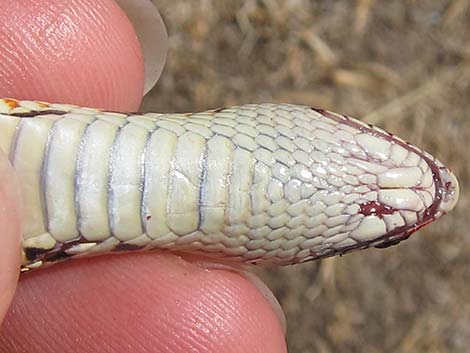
<point x="80" y="52"/>
<point x="10" y="235"/>
<point x="147" y="302"/>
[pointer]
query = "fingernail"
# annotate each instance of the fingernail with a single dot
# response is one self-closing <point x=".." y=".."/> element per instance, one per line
<point x="152" y="35"/>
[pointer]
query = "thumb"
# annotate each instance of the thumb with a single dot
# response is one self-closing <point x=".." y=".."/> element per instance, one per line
<point x="9" y="234"/>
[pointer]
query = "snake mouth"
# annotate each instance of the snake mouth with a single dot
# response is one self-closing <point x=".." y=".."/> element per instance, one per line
<point x="449" y="191"/>
<point x="446" y="191"/>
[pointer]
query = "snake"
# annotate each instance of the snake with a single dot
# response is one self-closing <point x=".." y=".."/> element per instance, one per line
<point x="256" y="184"/>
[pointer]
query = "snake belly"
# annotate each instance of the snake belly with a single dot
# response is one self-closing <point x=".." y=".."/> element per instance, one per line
<point x="256" y="184"/>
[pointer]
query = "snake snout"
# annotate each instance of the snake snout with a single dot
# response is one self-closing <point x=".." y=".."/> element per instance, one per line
<point x="449" y="191"/>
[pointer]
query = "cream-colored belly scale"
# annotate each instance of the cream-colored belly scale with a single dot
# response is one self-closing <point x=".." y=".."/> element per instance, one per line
<point x="267" y="184"/>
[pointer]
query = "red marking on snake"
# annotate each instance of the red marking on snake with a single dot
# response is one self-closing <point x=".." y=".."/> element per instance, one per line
<point x="11" y="103"/>
<point x="376" y="208"/>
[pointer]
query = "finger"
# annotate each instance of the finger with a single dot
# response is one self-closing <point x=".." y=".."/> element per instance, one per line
<point x="9" y="235"/>
<point x="84" y="52"/>
<point x="139" y="303"/>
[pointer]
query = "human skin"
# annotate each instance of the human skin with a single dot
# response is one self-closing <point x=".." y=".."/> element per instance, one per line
<point x="138" y="302"/>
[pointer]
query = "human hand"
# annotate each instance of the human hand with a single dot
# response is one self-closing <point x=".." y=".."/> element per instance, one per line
<point x="86" y="52"/>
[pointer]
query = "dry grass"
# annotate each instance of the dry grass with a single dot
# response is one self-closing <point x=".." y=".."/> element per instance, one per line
<point x="404" y="65"/>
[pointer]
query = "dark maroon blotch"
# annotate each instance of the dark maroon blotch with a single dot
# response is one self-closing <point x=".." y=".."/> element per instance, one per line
<point x="128" y="247"/>
<point x="33" y="253"/>
<point x="376" y="208"/>
<point x="36" y="113"/>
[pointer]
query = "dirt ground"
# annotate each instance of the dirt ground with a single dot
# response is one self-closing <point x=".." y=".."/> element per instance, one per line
<point x="402" y="65"/>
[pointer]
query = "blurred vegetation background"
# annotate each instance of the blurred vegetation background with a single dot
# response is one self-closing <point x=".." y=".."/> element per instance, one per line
<point x="403" y="65"/>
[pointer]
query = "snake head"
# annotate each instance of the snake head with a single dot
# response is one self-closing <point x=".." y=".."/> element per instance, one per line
<point x="387" y="188"/>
